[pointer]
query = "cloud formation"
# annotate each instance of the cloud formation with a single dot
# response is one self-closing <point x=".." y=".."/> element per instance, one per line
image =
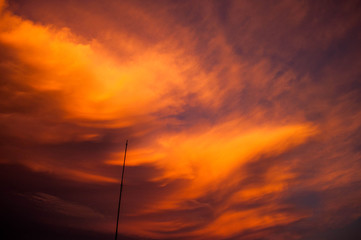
<point x="243" y="118"/>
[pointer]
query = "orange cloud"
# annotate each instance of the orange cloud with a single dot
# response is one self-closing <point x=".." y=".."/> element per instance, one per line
<point x="92" y="86"/>
<point x="208" y="161"/>
<point x="221" y="123"/>
<point x="231" y="223"/>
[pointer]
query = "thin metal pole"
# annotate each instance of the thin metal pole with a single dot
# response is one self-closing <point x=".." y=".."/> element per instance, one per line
<point x="121" y="188"/>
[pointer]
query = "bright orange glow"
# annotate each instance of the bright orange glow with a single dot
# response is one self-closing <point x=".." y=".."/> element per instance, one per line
<point x="238" y="124"/>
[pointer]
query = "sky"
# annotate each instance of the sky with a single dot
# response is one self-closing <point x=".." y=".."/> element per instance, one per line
<point x="243" y="119"/>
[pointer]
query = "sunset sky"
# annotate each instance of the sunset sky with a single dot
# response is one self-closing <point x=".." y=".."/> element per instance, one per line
<point x="243" y="119"/>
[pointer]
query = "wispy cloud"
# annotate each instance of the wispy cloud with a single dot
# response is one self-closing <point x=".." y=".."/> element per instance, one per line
<point x="243" y="117"/>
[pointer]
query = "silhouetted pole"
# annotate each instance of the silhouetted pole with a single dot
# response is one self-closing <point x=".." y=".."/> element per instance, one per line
<point x="121" y="188"/>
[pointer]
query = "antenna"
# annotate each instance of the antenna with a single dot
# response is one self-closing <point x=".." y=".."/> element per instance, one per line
<point x="121" y="188"/>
